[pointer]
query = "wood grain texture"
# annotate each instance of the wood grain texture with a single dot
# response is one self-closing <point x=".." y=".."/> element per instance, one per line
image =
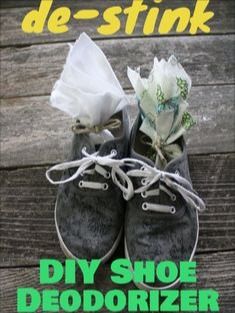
<point x="27" y="210"/>
<point x="34" y="133"/>
<point x="12" y="17"/>
<point x="33" y="70"/>
<point x="213" y="272"/>
<point x="18" y="4"/>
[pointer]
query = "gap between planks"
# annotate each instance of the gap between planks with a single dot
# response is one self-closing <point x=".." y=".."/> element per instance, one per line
<point x="206" y="59"/>
<point x="33" y="133"/>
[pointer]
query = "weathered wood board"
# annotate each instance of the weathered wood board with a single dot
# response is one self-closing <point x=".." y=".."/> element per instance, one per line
<point x="27" y="210"/>
<point x="213" y="272"/>
<point x="12" y="17"/>
<point x="34" y="133"/>
<point x="32" y="71"/>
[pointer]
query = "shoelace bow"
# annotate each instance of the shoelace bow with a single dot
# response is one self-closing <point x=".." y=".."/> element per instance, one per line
<point x="148" y="175"/>
<point x="84" y="165"/>
<point x="169" y="182"/>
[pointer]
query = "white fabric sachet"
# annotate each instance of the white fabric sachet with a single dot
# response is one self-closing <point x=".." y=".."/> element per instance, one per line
<point x="88" y="89"/>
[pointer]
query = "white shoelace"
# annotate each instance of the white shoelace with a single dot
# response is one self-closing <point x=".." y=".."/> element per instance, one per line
<point x="148" y="175"/>
<point x="172" y="182"/>
<point x="84" y="167"/>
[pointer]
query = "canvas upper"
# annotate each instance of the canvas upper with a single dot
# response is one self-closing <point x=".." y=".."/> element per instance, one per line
<point x="89" y="221"/>
<point x="159" y="236"/>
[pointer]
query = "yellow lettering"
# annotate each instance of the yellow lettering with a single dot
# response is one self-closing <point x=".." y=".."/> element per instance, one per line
<point x="150" y="21"/>
<point x="133" y="13"/>
<point x="110" y="16"/>
<point x="86" y="14"/>
<point x="200" y="17"/>
<point x="34" y="21"/>
<point x="58" y="20"/>
<point x="171" y="16"/>
<point x="179" y="18"/>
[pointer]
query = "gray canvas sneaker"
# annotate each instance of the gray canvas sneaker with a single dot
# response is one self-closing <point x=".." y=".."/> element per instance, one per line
<point x="89" y="212"/>
<point x="161" y="221"/>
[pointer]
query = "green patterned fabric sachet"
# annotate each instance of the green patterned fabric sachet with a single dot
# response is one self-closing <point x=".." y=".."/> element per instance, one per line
<point x="163" y="106"/>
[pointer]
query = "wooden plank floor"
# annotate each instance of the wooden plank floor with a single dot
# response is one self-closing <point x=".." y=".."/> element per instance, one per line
<point x="34" y="136"/>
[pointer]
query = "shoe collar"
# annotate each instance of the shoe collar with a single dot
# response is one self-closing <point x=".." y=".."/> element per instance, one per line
<point x="173" y="165"/>
<point x="83" y="140"/>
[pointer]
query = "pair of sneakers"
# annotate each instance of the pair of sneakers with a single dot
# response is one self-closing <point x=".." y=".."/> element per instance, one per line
<point x="113" y="187"/>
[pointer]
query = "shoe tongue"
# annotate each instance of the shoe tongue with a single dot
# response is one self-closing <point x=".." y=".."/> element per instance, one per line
<point x="93" y="142"/>
<point x="79" y="142"/>
<point x="100" y="138"/>
<point x="141" y="157"/>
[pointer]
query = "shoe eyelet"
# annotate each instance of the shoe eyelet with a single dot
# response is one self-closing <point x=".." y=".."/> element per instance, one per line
<point x="144" y="206"/>
<point x="80" y="184"/>
<point x="173" y="198"/>
<point x="143" y="181"/>
<point x="107" y="175"/>
<point x="84" y="149"/>
<point x="114" y="152"/>
<point x="143" y="168"/>
<point x="144" y="194"/>
<point x="173" y="210"/>
<point x="105" y="186"/>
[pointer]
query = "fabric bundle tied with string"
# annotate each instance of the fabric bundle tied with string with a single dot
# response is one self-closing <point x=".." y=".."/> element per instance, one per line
<point x="89" y="91"/>
<point x="163" y="106"/>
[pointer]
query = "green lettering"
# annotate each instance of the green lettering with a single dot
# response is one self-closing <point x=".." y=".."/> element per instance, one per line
<point x="88" y="270"/>
<point x="45" y="274"/>
<point x="93" y="300"/>
<point x="115" y="300"/>
<point x="189" y="300"/>
<point x="168" y="303"/>
<point x="138" y="302"/>
<point x="188" y="272"/>
<point x="144" y="272"/>
<point x="167" y="272"/>
<point x="33" y="297"/>
<point x="70" y="269"/>
<point x="121" y="269"/>
<point x="50" y="301"/>
<point x="208" y="301"/>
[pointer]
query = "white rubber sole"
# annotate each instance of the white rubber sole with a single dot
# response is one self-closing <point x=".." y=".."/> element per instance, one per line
<point x="70" y="255"/>
<point x="176" y="283"/>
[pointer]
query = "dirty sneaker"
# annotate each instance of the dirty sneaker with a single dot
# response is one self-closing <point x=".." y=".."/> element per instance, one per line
<point x="89" y="211"/>
<point x="161" y="222"/>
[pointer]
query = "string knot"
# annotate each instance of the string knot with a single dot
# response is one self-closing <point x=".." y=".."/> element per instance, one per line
<point x="112" y="124"/>
<point x="158" y="145"/>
